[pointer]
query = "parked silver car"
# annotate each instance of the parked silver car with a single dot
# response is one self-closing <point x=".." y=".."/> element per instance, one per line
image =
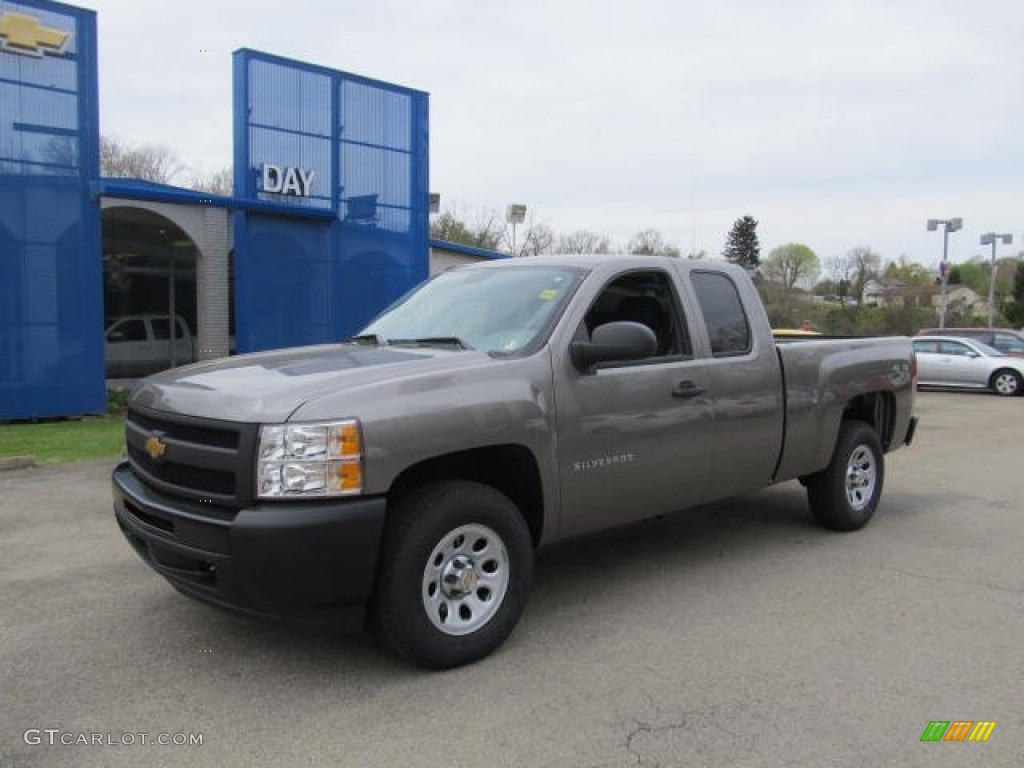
<point x="950" y="361"/>
<point x="1003" y="339"/>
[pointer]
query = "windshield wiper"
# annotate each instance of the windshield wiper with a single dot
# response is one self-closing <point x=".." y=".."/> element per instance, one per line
<point x="366" y="339"/>
<point x="432" y="341"/>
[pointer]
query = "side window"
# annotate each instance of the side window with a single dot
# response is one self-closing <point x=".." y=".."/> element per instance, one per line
<point x="728" y="328"/>
<point x="1004" y="342"/>
<point x="954" y="348"/>
<point x="931" y="347"/>
<point x="647" y="298"/>
<point x="128" y="330"/>
<point x="160" y="326"/>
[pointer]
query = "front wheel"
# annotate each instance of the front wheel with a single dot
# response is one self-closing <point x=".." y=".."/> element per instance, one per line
<point x="844" y="495"/>
<point x="454" y="574"/>
<point x="1007" y="383"/>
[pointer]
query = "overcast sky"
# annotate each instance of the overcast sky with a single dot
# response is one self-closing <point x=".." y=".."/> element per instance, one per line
<point x="835" y="124"/>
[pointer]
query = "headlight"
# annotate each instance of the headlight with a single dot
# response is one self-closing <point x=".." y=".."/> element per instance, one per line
<point x="306" y="460"/>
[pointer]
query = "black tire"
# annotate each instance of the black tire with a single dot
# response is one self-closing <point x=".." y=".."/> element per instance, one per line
<point x="1007" y="383"/>
<point x="844" y="495"/>
<point x="454" y="573"/>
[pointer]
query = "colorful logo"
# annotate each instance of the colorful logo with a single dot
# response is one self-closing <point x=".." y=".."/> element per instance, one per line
<point x="958" y="730"/>
<point x="20" y="33"/>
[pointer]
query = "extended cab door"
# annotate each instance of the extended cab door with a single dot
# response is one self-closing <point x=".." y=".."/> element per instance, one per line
<point x="745" y="378"/>
<point x="634" y="439"/>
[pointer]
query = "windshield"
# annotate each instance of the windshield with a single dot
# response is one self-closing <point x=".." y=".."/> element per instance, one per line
<point x="499" y="310"/>
<point x="985" y="349"/>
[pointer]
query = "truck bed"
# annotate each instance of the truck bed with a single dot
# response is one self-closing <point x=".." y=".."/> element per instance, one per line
<point x="873" y="372"/>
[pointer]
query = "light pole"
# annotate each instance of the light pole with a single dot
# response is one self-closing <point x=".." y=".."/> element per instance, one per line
<point x="515" y="214"/>
<point x="991" y="238"/>
<point x="948" y="225"/>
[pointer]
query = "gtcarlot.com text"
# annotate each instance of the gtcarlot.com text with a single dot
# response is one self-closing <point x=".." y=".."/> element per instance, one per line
<point x="58" y="737"/>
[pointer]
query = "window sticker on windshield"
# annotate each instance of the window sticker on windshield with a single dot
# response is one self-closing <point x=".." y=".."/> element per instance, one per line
<point x="548" y="294"/>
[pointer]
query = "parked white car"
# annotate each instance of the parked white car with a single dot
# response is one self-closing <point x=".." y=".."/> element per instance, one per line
<point x="951" y="361"/>
<point x="137" y="345"/>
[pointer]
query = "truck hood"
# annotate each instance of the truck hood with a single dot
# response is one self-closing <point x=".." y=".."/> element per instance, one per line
<point x="269" y="386"/>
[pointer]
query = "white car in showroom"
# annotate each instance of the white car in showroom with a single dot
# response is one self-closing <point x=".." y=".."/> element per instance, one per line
<point x="951" y="361"/>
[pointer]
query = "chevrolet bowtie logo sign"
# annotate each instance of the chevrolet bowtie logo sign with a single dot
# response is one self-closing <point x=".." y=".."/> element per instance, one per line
<point x="24" y="34"/>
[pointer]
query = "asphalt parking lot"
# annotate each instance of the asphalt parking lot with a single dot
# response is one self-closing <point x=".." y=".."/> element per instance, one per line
<point x="738" y="634"/>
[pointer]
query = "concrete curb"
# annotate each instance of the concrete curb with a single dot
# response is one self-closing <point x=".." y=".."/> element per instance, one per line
<point x="17" y="462"/>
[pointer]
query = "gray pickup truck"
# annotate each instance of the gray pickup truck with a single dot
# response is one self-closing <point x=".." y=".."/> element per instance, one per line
<point x="409" y="474"/>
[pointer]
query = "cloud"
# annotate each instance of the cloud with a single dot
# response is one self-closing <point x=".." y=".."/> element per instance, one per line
<point x="834" y="123"/>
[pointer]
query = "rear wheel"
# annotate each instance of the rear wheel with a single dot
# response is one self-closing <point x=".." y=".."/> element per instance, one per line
<point x="454" y="574"/>
<point x="844" y="495"/>
<point x="1007" y="383"/>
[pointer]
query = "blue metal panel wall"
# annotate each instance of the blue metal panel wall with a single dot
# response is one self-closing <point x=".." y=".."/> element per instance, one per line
<point x="307" y="281"/>
<point x="51" y="311"/>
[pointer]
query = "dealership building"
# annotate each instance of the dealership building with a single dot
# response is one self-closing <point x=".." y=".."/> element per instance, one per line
<point x="328" y="223"/>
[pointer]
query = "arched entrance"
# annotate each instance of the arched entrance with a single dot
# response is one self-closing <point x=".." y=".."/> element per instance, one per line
<point x="151" y="232"/>
<point x="149" y="276"/>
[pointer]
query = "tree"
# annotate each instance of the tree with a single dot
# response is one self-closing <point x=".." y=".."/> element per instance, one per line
<point x="452" y="230"/>
<point x="974" y="274"/>
<point x="486" y="233"/>
<point x="918" y="281"/>
<point x="1015" y="309"/>
<point x="650" y="242"/>
<point x="150" y="162"/>
<point x="220" y="182"/>
<point x="742" y="247"/>
<point x="583" y="241"/>
<point x="864" y="266"/>
<point x="530" y="238"/>
<point x="826" y="287"/>
<point x="791" y="264"/>
<point x="538" y="240"/>
<point x="841" y="269"/>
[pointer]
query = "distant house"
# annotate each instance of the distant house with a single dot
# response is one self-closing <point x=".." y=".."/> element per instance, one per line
<point x="960" y="298"/>
<point x="884" y="293"/>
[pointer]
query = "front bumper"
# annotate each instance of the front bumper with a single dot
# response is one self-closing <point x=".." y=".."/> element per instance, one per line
<point x="309" y="561"/>
<point x="911" y="429"/>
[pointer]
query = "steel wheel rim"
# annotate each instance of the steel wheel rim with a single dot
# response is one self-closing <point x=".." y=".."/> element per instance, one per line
<point x="1006" y="384"/>
<point x="861" y="477"/>
<point x="465" y="579"/>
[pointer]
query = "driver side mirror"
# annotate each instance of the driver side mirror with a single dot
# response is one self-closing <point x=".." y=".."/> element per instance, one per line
<point x="613" y="342"/>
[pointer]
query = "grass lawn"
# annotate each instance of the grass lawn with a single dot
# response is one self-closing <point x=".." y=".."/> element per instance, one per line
<point x="53" y="442"/>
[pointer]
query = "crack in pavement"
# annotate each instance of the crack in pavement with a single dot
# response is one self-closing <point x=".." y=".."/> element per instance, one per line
<point x="693" y="723"/>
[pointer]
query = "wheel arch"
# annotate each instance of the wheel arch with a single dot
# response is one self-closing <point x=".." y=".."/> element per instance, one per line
<point x="511" y="469"/>
<point x="878" y="409"/>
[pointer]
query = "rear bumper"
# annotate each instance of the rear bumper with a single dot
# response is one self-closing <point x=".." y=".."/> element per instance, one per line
<point x="303" y="561"/>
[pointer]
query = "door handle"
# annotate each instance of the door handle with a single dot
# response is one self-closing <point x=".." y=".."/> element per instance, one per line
<point x="687" y="389"/>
